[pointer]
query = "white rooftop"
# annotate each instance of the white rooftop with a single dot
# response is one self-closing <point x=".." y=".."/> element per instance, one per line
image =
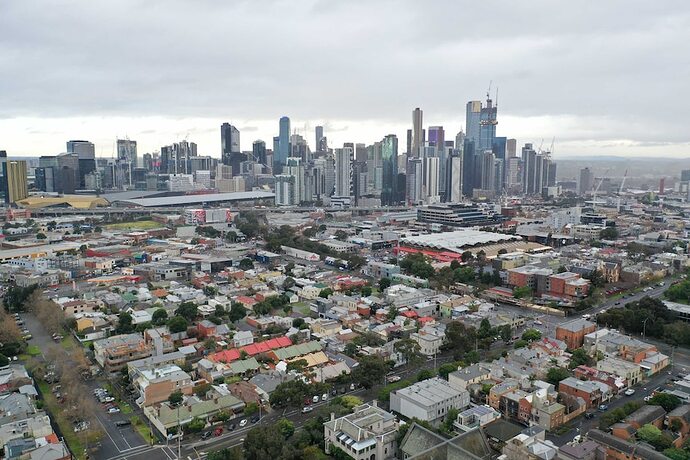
<point x="458" y="240"/>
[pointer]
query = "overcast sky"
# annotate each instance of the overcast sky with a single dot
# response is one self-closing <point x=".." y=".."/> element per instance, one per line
<point x="603" y="77"/>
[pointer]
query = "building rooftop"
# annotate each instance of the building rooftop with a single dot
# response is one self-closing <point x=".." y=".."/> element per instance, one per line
<point x="457" y="240"/>
<point x="429" y="392"/>
<point x="186" y="200"/>
<point x="577" y="325"/>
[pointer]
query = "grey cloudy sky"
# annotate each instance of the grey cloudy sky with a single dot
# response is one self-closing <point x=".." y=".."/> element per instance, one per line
<point x="603" y="77"/>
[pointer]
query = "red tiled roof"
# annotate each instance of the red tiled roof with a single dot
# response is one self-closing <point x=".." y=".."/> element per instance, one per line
<point x="425" y="319"/>
<point x="233" y="354"/>
<point x="52" y="439"/>
<point x="409" y="314"/>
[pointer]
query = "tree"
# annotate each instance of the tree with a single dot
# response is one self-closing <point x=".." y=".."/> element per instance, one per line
<point x="350" y="402"/>
<point x="297" y="322"/>
<point x="366" y="291"/>
<point x="251" y="408"/>
<point x="506" y="332"/>
<point x="556" y="374"/>
<point x="325" y="293"/>
<point x="246" y="264"/>
<point x="531" y="335"/>
<point x="466" y="256"/>
<point x="502" y="251"/>
<point x="464" y="275"/>
<point x="484" y="329"/>
<point x="264" y="442"/>
<point x="665" y="400"/>
<point x="424" y="374"/>
<point x="124" y="324"/>
<point x="237" y="312"/>
<point x="677" y="454"/>
<point x="648" y="433"/>
<point x="194" y="426"/>
<point x="288" y="283"/>
<point x="460" y="338"/>
<point x="410" y="351"/>
<point x="392" y="313"/>
<point x="454" y="265"/>
<point x="580" y="358"/>
<point x="286" y="427"/>
<point x="227" y="453"/>
<point x="188" y="310"/>
<point x="384" y="283"/>
<point x="522" y="292"/>
<point x="340" y="235"/>
<point x="609" y="233"/>
<point x="41" y="236"/>
<point x="159" y="317"/>
<point x="370" y="371"/>
<point x="177" y="324"/>
<point x="4" y="361"/>
<point x="451" y="416"/>
<point x="175" y="398"/>
<point x="445" y="369"/>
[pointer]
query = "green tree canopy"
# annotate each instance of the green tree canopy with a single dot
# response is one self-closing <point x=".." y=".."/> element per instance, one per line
<point x="177" y="324"/>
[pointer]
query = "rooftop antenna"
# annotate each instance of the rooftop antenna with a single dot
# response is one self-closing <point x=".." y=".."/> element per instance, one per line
<point x="496" y="100"/>
<point x="488" y="91"/>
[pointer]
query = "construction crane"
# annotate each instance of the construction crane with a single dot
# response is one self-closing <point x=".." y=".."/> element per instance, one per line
<point x="594" y="195"/>
<point x="620" y="190"/>
<point x="553" y="143"/>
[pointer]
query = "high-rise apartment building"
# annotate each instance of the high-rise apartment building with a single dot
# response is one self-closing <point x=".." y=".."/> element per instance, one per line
<point x="14" y="179"/>
<point x="415" y="181"/>
<point x="417" y="133"/>
<point x="285" y="190"/>
<point x="454" y="181"/>
<point x="231" y="154"/>
<point x="389" y="170"/>
<point x="511" y="148"/>
<point x="176" y="158"/>
<point x="318" y="131"/>
<point x="431" y="180"/>
<point x="488" y="170"/>
<point x="587" y="181"/>
<point x="344" y="158"/>
<point x="282" y="152"/>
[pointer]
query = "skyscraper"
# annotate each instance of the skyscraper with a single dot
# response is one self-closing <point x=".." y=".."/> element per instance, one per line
<point x="318" y="131"/>
<point x="343" y="171"/>
<point x="468" y="167"/>
<point x="86" y="154"/>
<point x="283" y="152"/>
<point x="389" y="170"/>
<point x="488" y="168"/>
<point x="472" y="119"/>
<point x="259" y="151"/>
<point x="511" y="148"/>
<point x="586" y="181"/>
<point x="487" y="125"/>
<point x="230" y="144"/>
<point x="14" y="179"/>
<point x="417" y="132"/>
<point x="454" y="181"/>
<point x="415" y="180"/>
<point x="431" y="180"/>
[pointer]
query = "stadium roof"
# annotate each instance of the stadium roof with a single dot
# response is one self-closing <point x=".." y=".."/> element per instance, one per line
<point x="458" y="240"/>
<point x="185" y="200"/>
<point x="74" y="201"/>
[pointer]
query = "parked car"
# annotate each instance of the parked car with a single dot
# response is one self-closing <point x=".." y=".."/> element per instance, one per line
<point x="218" y="431"/>
<point x="243" y="423"/>
<point x="255" y="419"/>
<point x="603" y="407"/>
<point x="231" y="427"/>
<point x="629" y="392"/>
<point x="113" y="410"/>
<point x="123" y="423"/>
<point x="393" y="378"/>
<point x="306" y="409"/>
<point x="315" y="399"/>
<point x="589" y="415"/>
<point x="206" y="435"/>
<point x="324" y="396"/>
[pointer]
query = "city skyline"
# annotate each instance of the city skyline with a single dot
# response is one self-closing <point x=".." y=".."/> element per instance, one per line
<point x="577" y="80"/>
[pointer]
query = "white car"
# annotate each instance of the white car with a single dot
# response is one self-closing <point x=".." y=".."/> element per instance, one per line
<point x="629" y="392"/>
<point x="113" y="410"/>
<point x="243" y="422"/>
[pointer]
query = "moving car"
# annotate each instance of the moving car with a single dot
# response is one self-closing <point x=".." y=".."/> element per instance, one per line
<point x="306" y="409"/>
<point x="206" y="435"/>
<point x="603" y="407"/>
<point x="629" y="392"/>
<point x="243" y="422"/>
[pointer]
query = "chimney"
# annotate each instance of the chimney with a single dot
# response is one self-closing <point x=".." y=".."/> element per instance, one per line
<point x="332" y="416"/>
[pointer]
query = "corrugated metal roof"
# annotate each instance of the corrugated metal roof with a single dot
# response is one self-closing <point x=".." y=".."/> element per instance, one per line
<point x="186" y="200"/>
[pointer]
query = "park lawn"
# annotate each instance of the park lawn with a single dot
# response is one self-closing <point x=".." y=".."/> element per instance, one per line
<point x="302" y="308"/>
<point x="53" y="407"/>
<point x="33" y="350"/>
<point x="137" y="225"/>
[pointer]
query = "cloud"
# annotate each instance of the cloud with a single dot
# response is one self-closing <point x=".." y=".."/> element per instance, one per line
<point x="589" y="74"/>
